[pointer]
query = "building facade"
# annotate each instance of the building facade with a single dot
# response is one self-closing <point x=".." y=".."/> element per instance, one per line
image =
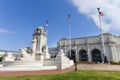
<point x="81" y="49"/>
<point x="91" y="49"/>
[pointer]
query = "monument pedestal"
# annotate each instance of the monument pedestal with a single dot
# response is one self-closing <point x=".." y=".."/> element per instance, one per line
<point x="62" y="61"/>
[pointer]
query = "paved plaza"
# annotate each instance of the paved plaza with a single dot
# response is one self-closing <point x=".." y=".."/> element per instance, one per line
<point x="107" y="67"/>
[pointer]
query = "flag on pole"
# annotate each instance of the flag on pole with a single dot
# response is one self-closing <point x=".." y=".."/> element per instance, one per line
<point x="100" y="13"/>
<point x="69" y="19"/>
<point x="46" y="24"/>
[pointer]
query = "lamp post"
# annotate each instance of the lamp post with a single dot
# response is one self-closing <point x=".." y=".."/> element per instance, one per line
<point x="75" y="62"/>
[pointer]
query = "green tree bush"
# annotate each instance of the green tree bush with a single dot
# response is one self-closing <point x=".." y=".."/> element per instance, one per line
<point x="1" y="58"/>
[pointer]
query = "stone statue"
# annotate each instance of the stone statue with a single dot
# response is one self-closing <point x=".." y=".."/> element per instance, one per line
<point x="62" y="61"/>
<point x="61" y="52"/>
<point x="39" y="49"/>
<point x="24" y="52"/>
<point x="25" y="55"/>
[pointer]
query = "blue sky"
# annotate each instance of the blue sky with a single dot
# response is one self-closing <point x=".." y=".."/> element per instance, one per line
<point x="19" y="18"/>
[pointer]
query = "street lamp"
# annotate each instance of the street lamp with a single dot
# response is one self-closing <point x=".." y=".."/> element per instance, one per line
<point x="75" y="62"/>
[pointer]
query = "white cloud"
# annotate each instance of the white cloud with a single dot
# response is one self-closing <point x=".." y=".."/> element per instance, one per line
<point x="5" y="31"/>
<point x="111" y="9"/>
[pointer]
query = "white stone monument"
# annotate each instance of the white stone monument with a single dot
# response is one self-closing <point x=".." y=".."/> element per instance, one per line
<point x="62" y="61"/>
<point x="36" y="56"/>
<point x="9" y="57"/>
<point x="38" y="50"/>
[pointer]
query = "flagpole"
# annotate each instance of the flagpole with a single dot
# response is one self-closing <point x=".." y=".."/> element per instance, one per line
<point x="69" y="33"/>
<point x="102" y="36"/>
<point x="46" y="25"/>
<point x="46" y="29"/>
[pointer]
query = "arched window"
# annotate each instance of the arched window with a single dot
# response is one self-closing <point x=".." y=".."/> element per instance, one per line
<point x="96" y="56"/>
<point x="83" y="55"/>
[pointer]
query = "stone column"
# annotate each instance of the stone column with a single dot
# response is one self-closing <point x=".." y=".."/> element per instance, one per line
<point x="41" y="41"/>
<point x="33" y="45"/>
<point x="113" y="53"/>
<point x="60" y="44"/>
<point x="88" y="51"/>
<point x="76" y="53"/>
<point x="89" y="54"/>
<point x="47" y="55"/>
<point x="64" y="48"/>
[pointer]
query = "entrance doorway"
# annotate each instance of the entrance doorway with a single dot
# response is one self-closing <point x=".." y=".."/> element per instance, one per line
<point x="72" y="55"/>
<point x="96" y="56"/>
<point x="83" y="55"/>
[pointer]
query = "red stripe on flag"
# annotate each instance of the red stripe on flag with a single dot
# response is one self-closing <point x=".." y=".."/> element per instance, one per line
<point x="101" y="13"/>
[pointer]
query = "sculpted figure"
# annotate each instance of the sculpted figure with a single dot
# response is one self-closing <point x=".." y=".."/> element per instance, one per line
<point x="24" y="52"/>
<point x="61" y="52"/>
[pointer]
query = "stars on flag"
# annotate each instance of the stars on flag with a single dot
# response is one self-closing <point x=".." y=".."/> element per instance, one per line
<point x="100" y="13"/>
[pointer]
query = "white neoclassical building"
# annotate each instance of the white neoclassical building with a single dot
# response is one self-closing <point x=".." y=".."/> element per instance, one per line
<point x="90" y="48"/>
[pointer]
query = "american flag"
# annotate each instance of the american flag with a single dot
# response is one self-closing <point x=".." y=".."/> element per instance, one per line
<point x="46" y="24"/>
<point x="100" y="13"/>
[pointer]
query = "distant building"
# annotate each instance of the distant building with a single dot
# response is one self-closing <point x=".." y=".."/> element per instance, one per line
<point x="90" y="48"/>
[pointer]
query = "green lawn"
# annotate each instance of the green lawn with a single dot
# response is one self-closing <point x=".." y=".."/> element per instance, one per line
<point x="79" y="75"/>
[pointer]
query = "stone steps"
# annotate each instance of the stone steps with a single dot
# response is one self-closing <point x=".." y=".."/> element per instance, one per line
<point x="21" y="63"/>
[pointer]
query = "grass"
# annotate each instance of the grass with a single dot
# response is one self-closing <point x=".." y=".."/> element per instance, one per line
<point x="79" y="75"/>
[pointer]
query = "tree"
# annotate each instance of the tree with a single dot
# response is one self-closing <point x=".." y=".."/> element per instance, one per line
<point x="1" y="58"/>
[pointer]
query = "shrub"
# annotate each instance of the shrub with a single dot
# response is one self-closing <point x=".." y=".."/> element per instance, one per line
<point x="115" y="63"/>
<point x="84" y="62"/>
<point x="1" y="58"/>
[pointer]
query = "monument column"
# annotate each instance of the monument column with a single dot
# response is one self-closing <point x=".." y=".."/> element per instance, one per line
<point x="88" y="51"/>
<point x="76" y="50"/>
<point x="65" y="49"/>
<point x="39" y="44"/>
<point x="33" y="45"/>
<point x="89" y="54"/>
<point x="113" y="53"/>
